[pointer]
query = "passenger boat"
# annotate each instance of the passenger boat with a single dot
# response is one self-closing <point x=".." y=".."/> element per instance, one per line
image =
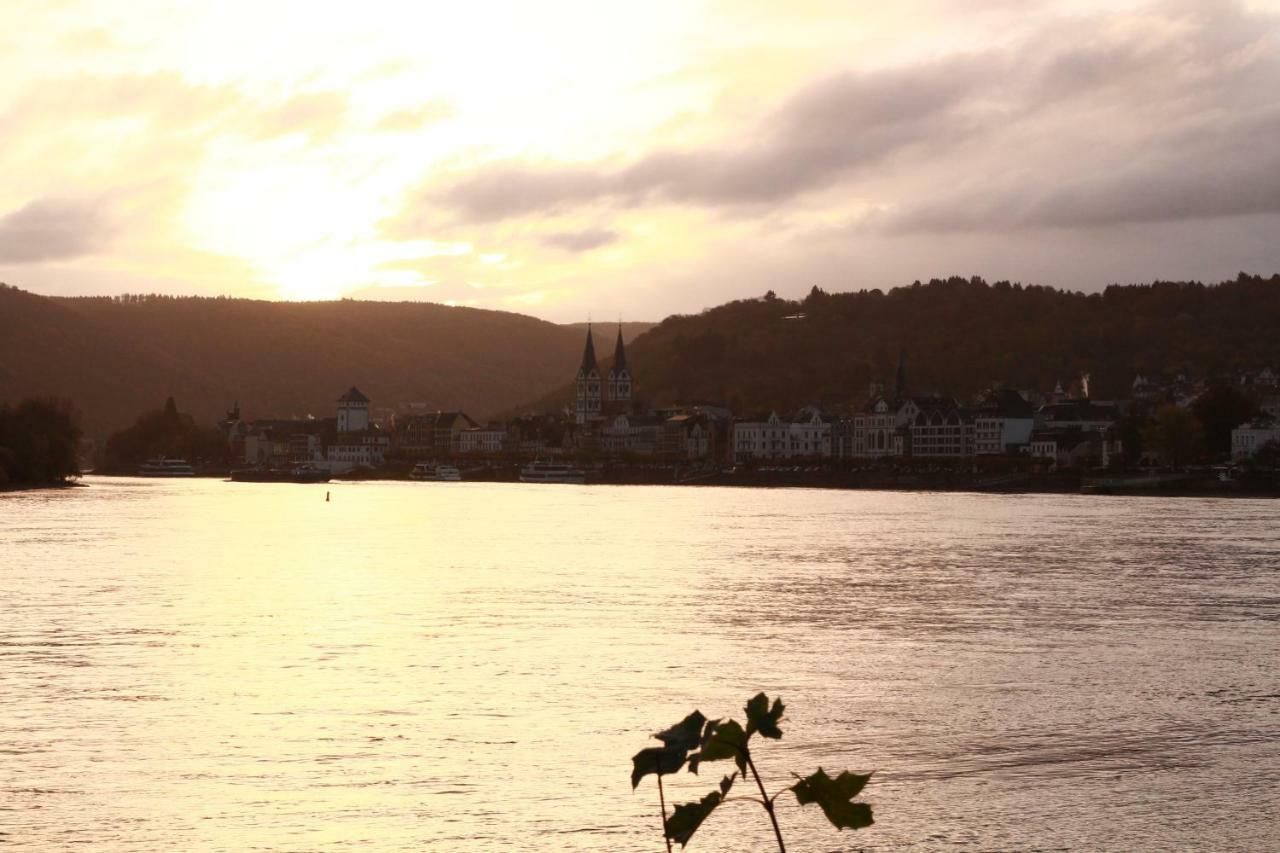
<point x="164" y="467"/>
<point x="426" y="471"/>
<point x="302" y="473"/>
<point x="552" y="472"/>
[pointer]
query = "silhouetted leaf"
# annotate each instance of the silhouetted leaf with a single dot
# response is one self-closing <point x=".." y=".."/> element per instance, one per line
<point x="655" y="759"/>
<point x="834" y="795"/>
<point x="686" y="818"/>
<point x="684" y="735"/>
<point x="722" y="740"/>
<point x="763" y="719"/>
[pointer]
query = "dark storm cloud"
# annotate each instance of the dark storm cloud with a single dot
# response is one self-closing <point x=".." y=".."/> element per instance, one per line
<point x="1171" y="117"/>
<point x="581" y="241"/>
<point x="52" y="230"/>
<point x="826" y="130"/>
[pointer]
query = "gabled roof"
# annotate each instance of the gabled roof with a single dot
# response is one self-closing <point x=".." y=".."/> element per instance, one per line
<point x="353" y="395"/>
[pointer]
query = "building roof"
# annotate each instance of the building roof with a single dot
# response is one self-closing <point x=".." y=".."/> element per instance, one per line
<point x="353" y="395"/>
<point x="619" y="356"/>
<point x="588" y="355"/>
<point x="1005" y="403"/>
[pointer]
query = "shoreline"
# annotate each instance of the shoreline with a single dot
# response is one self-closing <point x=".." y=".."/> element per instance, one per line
<point x="957" y="482"/>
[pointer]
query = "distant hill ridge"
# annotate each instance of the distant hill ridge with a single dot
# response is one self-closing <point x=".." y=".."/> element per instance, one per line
<point x="116" y="358"/>
<point x="959" y="336"/>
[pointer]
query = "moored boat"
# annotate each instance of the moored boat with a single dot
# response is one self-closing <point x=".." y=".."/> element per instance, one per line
<point x="428" y="472"/>
<point x="303" y="473"/>
<point x="552" y="472"/>
<point x="163" y="466"/>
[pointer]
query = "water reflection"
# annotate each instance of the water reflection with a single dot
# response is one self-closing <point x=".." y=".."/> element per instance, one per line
<point x="215" y="666"/>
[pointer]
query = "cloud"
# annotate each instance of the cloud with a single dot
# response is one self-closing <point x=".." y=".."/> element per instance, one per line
<point x="581" y="241"/>
<point x="317" y="114"/>
<point x="415" y="118"/>
<point x="823" y="132"/>
<point x="52" y="230"/>
<point x="1163" y="113"/>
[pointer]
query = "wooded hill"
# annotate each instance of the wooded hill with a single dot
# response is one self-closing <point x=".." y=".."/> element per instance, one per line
<point x="959" y="337"/>
<point x="116" y="358"/>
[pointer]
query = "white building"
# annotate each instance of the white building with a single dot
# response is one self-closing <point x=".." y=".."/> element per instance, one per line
<point x="357" y="450"/>
<point x="805" y="436"/>
<point x="482" y="440"/>
<point x="353" y="411"/>
<point x="763" y="437"/>
<point x="1248" y="439"/>
<point x="874" y="429"/>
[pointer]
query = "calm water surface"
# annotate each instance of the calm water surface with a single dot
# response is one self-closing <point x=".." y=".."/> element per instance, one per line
<point x="209" y="666"/>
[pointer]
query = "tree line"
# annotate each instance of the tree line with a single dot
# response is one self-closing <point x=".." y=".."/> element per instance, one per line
<point x="39" y="443"/>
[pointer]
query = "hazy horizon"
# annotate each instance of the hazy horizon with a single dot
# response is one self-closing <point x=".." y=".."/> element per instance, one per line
<point x="566" y="160"/>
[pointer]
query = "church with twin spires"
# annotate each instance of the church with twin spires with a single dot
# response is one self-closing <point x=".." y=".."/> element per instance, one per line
<point x="598" y="396"/>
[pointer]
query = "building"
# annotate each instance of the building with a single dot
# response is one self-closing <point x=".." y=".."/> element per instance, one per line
<point x="1085" y="415"/>
<point x="1002" y="423"/>
<point x="763" y="437"/>
<point x="619" y="386"/>
<point x="483" y="441"/>
<point x="874" y="429"/>
<point x="936" y="427"/>
<point x="594" y="397"/>
<point x="364" y="449"/>
<point x="431" y="435"/>
<point x="353" y="411"/>
<point x="588" y="399"/>
<point x="805" y="435"/>
<point x="1248" y="439"/>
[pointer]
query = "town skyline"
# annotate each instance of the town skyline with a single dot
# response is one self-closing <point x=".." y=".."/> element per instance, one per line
<point x="511" y="157"/>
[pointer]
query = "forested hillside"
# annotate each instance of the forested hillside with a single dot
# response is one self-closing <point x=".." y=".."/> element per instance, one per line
<point x="116" y="358"/>
<point x="959" y="336"/>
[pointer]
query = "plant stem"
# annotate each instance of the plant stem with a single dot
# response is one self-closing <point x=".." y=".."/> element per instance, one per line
<point x="768" y="803"/>
<point x="662" y="804"/>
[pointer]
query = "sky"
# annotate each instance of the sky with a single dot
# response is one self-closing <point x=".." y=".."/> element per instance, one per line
<point x="631" y="160"/>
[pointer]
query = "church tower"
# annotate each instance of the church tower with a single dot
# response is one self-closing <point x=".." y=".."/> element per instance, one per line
<point x="620" y="381"/>
<point x="588" y="398"/>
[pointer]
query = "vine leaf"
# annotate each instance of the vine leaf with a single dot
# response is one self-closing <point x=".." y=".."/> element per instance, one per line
<point x="684" y="735"/>
<point x="763" y="719"/>
<point x="655" y="759"/>
<point x="834" y="795"/>
<point x="686" y="818"/>
<point x="722" y="740"/>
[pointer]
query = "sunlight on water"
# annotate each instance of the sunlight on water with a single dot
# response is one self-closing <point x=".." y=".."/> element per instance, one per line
<point x="205" y="666"/>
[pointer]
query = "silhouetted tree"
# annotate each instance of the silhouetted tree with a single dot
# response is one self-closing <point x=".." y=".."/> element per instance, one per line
<point x="1220" y="410"/>
<point x="1175" y="434"/>
<point x="39" y="442"/>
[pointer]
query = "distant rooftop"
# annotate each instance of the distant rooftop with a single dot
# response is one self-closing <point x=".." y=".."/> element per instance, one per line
<point x="353" y="395"/>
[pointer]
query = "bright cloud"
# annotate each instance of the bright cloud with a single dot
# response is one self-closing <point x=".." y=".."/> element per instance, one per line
<point x="570" y="157"/>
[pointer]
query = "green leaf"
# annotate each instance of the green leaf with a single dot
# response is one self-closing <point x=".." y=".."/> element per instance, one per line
<point x="686" y="818"/>
<point x="834" y="795"/>
<point x="763" y="719"/>
<point x="684" y="735"/>
<point x="655" y="759"/>
<point x="722" y="740"/>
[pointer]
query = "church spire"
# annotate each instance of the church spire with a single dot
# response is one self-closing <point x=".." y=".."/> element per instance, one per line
<point x="588" y="355"/>
<point x="619" y="354"/>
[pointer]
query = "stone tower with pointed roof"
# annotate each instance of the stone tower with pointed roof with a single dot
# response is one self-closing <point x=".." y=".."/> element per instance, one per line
<point x="620" y="381"/>
<point x="588" y="398"/>
<point x="353" y="411"/>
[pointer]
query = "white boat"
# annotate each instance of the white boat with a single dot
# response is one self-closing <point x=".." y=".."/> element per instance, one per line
<point x="435" y="473"/>
<point x="552" y="472"/>
<point x="165" y="467"/>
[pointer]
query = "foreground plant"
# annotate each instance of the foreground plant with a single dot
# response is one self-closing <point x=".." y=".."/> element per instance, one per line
<point x="720" y="740"/>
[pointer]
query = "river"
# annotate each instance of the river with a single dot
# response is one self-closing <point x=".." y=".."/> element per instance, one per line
<point x="208" y="666"/>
